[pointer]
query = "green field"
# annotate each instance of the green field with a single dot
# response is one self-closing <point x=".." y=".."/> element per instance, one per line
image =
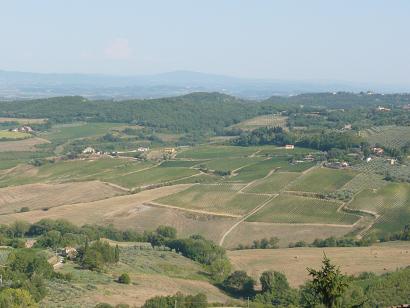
<point x="226" y="164"/>
<point x="274" y="183"/>
<point x="223" y="198"/>
<point x="79" y="130"/>
<point x="8" y="135"/>
<point x="295" y="209"/>
<point x="12" y="159"/>
<point x="392" y="202"/>
<point x="322" y="180"/>
<point x="212" y="152"/>
<point x="180" y="163"/>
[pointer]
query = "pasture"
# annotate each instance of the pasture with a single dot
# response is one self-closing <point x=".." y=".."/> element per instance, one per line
<point x="223" y="198"/>
<point x="295" y="209"/>
<point x="293" y="262"/>
<point x="6" y="135"/>
<point x="23" y="145"/>
<point x="322" y="180"/>
<point x="65" y="132"/>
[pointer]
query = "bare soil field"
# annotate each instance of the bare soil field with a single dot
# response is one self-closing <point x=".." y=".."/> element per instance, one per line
<point x="46" y="196"/>
<point x="21" y="145"/>
<point x="294" y="261"/>
<point x="247" y="232"/>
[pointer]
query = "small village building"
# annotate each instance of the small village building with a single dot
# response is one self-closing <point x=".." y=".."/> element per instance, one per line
<point x="89" y="150"/>
<point x="392" y="161"/>
<point x="289" y="146"/>
<point x="378" y="151"/>
<point x="169" y="150"/>
<point x="368" y="159"/>
<point x="143" y="149"/>
<point x="383" y="109"/>
<point x="23" y="129"/>
<point x="68" y="252"/>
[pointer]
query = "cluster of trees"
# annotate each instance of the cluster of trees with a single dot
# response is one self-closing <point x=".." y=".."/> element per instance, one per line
<point x="403" y="235"/>
<point x="23" y="278"/>
<point x="59" y="233"/>
<point x="265" y="243"/>
<point x="323" y="141"/>
<point x="178" y="300"/>
<point x="97" y="255"/>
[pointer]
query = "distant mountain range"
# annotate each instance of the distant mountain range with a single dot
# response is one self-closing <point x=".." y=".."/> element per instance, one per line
<point x="22" y="85"/>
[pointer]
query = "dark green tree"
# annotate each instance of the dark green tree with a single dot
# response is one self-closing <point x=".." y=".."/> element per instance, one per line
<point x="328" y="283"/>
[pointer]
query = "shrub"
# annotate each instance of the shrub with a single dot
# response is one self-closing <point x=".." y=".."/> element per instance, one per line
<point x="124" y="278"/>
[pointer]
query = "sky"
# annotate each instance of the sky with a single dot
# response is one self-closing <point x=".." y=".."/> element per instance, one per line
<point x="339" y="40"/>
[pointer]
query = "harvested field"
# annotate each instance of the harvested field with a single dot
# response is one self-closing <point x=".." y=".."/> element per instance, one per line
<point x="247" y="232"/>
<point x="293" y="261"/>
<point x="28" y="144"/>
<point x="46" y="196"/>
<point x="295" y="209"/>
<point x="96" y="211"/>
<point x="130" y="211"/>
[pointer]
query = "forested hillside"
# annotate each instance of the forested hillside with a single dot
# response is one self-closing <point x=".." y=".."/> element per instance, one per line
<point x="210" y="112"/>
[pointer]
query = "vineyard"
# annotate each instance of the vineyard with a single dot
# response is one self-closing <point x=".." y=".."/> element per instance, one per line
<point x="295" y="209"/>
<point x="391" y="203"/>
<point x="268" y="120"/>
<point x="221" y="198"/>
<point x="273" y="184"/>
<point x="389" y="136"/>
<point x="322" y="180"/>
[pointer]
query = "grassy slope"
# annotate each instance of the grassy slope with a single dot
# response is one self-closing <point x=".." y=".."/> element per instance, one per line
<point x="152" y="273"/>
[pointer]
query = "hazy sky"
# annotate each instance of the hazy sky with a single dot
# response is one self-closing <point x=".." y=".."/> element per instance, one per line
<point x="349" y="40"/>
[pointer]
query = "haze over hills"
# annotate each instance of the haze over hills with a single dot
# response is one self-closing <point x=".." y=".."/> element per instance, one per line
<point x="18" y="85"/>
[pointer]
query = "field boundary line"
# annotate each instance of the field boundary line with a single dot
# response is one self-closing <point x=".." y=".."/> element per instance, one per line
<point x="156" y="204"/>
<point x="255" y="210"/>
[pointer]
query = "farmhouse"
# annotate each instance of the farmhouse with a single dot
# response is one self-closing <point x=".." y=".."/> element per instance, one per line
<point x="309" y="157"/>
<point x="22" y="129"/>
<point x="89" y="150"/>
<point x="68" y="252"/>
<point x="378" y="151"/>
<point x="289" y="147"/>
<point x="383" y="109"/>
<point x="169" y="150"/>
<point x="142" y="149"/>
